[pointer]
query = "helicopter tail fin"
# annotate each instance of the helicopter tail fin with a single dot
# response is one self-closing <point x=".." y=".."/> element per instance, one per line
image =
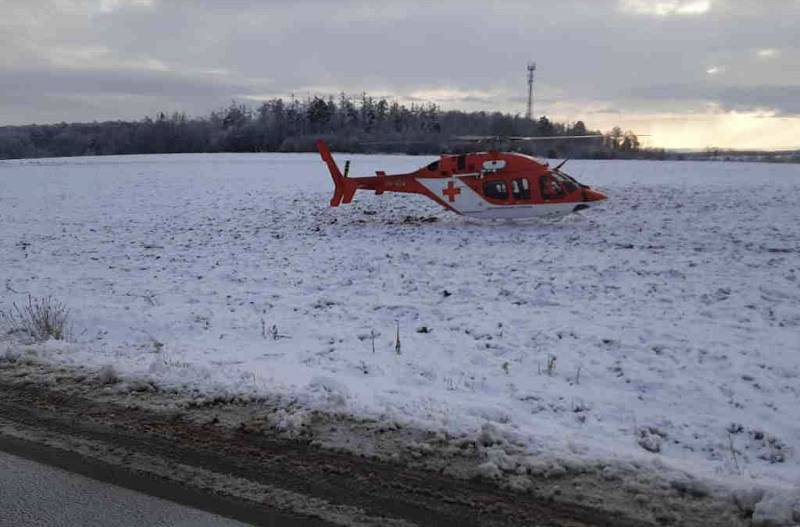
<point x="344" y="188"/>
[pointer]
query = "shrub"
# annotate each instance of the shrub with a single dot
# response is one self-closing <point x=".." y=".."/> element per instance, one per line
<point x="41" y="318"/>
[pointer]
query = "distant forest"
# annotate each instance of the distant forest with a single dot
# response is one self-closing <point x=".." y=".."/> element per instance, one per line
<point x="361" y="124"/>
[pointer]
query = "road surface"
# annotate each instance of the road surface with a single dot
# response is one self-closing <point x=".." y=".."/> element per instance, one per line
<point x="37" y="495"/>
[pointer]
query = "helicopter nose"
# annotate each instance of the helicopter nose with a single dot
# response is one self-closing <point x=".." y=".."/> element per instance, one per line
<point x="593" y="195"/>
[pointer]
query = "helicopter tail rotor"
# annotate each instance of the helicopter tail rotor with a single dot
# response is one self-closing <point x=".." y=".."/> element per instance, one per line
<point x="344" y="189"/>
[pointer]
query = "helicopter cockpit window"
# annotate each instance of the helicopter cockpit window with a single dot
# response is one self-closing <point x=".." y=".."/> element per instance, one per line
<point x="569" y="184"/>
<point x="495" y="189"/>
<point x="551" y="187"/>
<point x="520" y="189"/>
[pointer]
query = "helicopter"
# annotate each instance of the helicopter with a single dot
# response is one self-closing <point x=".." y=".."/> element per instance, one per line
<point x="486" y="185"/>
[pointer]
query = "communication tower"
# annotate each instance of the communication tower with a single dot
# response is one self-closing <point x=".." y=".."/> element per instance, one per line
<point x="531" y="69"/>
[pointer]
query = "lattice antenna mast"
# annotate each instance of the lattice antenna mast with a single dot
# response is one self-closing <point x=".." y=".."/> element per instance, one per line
<point x="531" y="69"/>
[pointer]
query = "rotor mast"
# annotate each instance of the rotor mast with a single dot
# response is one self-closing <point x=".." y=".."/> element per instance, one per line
<point x="531" y="69"/>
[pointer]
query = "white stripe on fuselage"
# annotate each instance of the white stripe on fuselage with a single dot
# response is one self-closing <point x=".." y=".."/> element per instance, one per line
<point x="470" y="203"/>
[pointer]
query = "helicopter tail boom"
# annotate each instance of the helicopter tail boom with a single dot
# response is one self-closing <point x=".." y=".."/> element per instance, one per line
<point x="343" y="189"/>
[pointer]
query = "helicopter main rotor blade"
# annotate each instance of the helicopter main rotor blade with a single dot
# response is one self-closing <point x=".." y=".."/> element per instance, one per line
<point x="554" y="137"/>
<point x="524" y="138"/>
<point x="395" y="142"/>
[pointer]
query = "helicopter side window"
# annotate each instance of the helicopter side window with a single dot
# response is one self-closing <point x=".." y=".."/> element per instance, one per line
<point x="551" y="188"/>
<point x="520" y="189"/>
<point x="496" y="189"/>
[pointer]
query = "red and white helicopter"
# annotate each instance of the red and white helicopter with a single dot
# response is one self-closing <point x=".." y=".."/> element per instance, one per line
<point x="489" y="185"/>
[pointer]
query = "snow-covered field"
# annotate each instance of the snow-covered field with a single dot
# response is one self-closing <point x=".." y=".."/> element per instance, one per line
<point x="663" y="324"/>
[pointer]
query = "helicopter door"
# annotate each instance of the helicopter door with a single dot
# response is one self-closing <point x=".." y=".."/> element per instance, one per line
<point x="520" y="189"/>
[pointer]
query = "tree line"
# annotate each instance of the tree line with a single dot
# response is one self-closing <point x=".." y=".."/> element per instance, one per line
<point x="355" y="124"/>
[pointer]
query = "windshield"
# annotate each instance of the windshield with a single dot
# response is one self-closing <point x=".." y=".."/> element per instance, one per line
<point x="569" y="183"/>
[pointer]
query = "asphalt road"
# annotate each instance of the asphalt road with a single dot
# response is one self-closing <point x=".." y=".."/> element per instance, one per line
<point x="36" y="495"/>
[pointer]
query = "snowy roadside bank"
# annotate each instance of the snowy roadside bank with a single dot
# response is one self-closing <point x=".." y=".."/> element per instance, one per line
<point x="503" y="484"/>
<point x="662" y="329"/>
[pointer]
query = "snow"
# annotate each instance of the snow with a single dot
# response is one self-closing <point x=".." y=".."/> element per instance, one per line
<point x="662" y="325"/>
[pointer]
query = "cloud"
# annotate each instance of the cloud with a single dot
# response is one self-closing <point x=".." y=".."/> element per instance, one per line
<point x="767" y="53"/>
<point x="452" y="95"/>
<point x="90" y="82"/>
<point x="663" y="8"/>
<point x="109" y="6"/>
<point x="783" y="99"/>
<point x="100" y="59"/>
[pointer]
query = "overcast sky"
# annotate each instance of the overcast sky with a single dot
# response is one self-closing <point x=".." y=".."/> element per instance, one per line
<point x="692" y="73"/>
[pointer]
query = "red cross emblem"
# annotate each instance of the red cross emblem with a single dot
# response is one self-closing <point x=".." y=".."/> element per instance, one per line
<point x="451" y="191"/>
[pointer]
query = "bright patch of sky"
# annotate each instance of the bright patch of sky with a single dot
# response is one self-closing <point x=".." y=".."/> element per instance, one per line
<point x="667" y="7"/>
<point x="108" y="6"/>
<point x="767" y="53"/>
